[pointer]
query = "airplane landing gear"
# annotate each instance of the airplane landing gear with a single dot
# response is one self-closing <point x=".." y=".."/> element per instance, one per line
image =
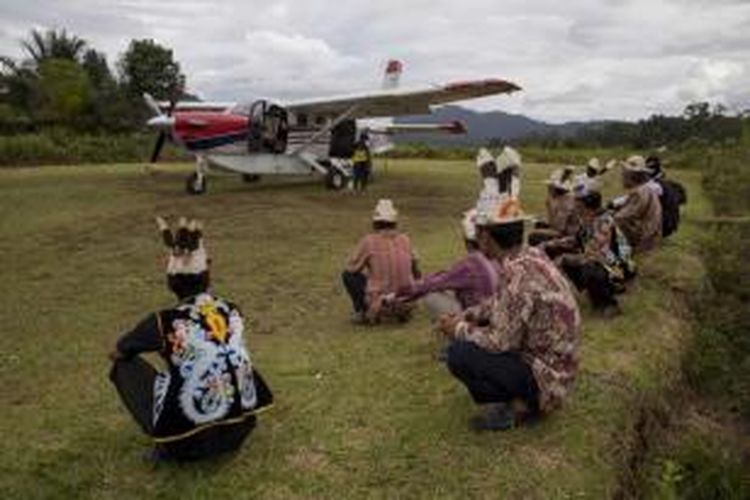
<point x="336" y="178"/>
<point x="196" y="183"/>
<point x="250" y="178"/>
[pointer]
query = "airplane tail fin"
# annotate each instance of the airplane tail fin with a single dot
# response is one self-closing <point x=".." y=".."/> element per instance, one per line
<point x="392" y="74"/>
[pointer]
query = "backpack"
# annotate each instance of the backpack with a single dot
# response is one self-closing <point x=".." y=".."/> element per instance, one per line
<point x="673" y="195"/>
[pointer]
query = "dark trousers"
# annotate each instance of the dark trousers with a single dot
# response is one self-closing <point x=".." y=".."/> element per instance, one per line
<point x="361" y="174"/>
<point x="595" y="279"/>
<point x="134" y="380"/>
<point x="356" y="287"/>
<point x="493" y="377"/>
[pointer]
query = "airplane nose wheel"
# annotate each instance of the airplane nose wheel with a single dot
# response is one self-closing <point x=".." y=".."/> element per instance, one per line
<point x="196" y="184"/>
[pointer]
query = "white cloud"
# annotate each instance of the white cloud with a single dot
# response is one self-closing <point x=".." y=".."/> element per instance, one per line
<point x="581" y="59"/>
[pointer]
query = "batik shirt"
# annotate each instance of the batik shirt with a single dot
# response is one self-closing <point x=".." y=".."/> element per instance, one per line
<point x="210" y="377"/>
<point x="473" y="279"/>
<point x="640" y="218"/>
<point x="534" y="315"/>
<point x="602" y="241"/>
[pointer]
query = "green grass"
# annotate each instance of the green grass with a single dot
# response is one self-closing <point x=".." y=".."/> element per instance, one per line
<point x="360" y="412"/>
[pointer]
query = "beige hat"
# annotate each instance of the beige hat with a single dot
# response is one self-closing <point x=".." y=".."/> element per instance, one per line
<point x="509" y="158"/>
<point x="636" y="164"/>
<point x="385" y="211"/>
<point x="585" y="185"/>
<point x="187" y="254"/>
<point x="594" y="164"/>
<point x="562" y="178"/>
<point x="469" y="224"/>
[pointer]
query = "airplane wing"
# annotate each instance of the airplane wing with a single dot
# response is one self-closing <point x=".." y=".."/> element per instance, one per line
<point x="395" y="102"/>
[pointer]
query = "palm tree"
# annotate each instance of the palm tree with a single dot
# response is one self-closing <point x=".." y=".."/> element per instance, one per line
<point x="57" y="44"/>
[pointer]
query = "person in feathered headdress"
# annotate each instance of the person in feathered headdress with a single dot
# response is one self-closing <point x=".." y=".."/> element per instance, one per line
<point x="562" y="219"/>
<point x="206" y="401"/>
<point x="516" y="352"/>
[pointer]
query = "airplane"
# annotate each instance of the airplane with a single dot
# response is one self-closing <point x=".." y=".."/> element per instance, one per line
<point x="305" y="137"/>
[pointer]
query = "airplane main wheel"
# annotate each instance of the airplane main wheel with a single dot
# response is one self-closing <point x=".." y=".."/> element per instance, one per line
<point x="250" y="178"/>
<point x="196" y="184"/>
<point x="335" y="179"/>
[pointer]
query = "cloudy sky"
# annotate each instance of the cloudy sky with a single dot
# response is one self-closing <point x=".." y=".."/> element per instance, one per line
<point x="576" y="59"/>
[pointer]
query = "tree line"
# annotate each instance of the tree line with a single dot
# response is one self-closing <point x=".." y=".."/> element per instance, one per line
<point x="700" y="124"/>
<point x="62" y="81"/>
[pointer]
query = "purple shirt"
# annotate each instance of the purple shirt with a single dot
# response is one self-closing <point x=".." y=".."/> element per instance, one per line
<point x="474" y="278"/>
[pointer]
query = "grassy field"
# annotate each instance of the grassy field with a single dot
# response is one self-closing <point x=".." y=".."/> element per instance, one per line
<point x="361" y="412"/>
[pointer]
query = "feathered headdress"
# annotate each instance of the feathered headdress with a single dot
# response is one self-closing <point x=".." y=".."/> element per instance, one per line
<point x="187" y="255"/>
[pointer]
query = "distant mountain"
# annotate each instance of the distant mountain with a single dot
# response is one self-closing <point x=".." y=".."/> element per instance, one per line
<point x="483" y="127"/>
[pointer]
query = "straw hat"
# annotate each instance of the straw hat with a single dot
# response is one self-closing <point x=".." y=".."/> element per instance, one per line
<point x="561" y="178"/>
<point x="636" y="164"/>
<point x="584" y="186"/>
<point x="385" y="211"/>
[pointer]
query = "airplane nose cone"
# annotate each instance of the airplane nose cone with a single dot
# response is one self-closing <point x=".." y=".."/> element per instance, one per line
<point x="161" y="122"/>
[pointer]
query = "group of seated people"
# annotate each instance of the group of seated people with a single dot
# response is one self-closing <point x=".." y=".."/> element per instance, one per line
<point x="506" y="309"/>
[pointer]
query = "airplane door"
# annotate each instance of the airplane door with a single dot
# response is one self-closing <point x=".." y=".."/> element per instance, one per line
<point x="277" y="128"/>
<point x="269" y="129"/>
<point x="257" y="126"/>
<point x="343" y="137"/>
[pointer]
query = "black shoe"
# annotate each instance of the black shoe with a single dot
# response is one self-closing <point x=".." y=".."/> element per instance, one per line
<point x="496" y="417"/>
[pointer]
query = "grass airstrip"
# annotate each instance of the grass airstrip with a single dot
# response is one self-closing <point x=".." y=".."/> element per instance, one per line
<point x="360" y="412"/>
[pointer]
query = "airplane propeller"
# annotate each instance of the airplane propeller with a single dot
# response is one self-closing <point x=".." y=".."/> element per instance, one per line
<point x="161" y="121"/>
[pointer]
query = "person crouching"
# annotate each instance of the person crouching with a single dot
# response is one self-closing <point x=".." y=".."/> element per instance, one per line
<point x="520" y="347"/>
<point x="383" y="262"/>
<point x="600" y="260"/>
<point x="206" y="401"/>
<point x="467" y="283"/>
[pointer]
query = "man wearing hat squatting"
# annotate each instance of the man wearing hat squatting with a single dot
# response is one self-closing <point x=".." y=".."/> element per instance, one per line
<point x="206" y="401"/>
<point x="467" y="283"/>
<point x="519" y="347"/>
<point x="562" y="218"/>
<point x="383" y="263"/>
<point x="638" y="212"/>
<point x="599" y="257"/>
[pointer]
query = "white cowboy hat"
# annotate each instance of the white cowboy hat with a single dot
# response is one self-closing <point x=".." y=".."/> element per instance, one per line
<point x="385" y="211"/>
<point x="636" y="164"/>
<point x="562" y="178"/>
<point x="585" y="185"/>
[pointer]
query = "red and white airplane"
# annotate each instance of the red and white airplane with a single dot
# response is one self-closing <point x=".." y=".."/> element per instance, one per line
<point x="307" y="137"/>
